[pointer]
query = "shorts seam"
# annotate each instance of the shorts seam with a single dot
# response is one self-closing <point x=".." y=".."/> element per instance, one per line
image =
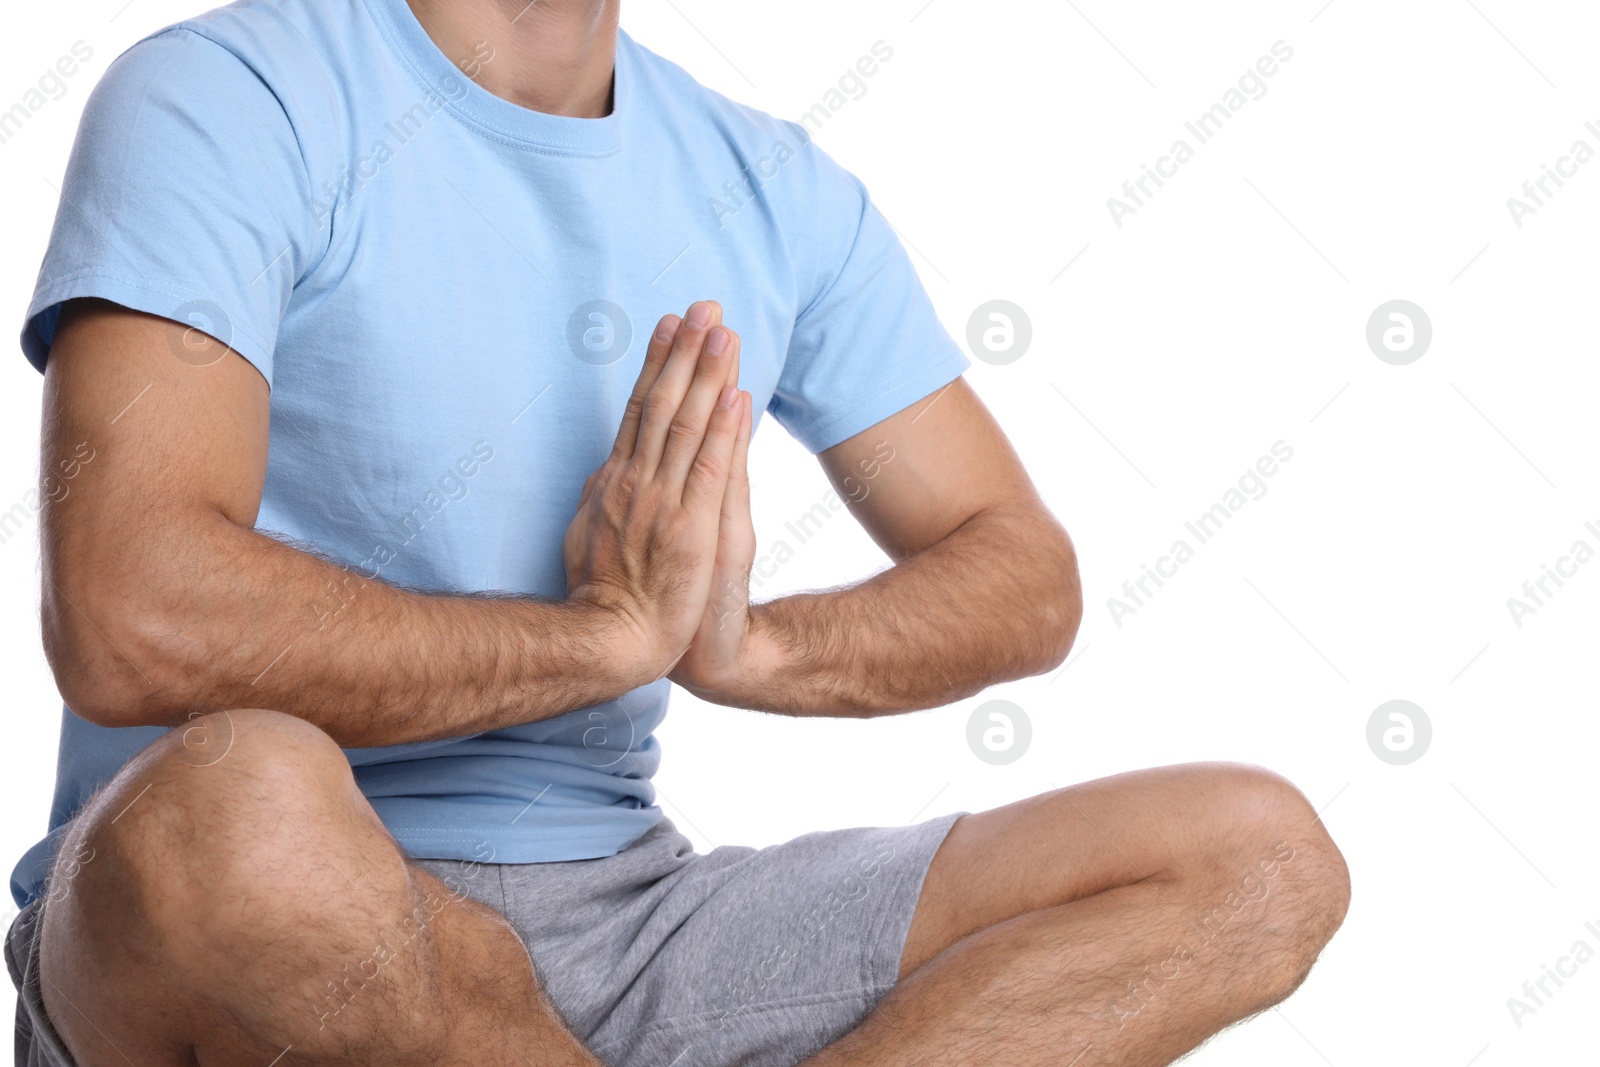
<point x="874" y="944"/>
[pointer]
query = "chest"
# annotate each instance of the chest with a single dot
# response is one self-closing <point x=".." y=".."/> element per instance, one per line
<point x="461" y="289"/>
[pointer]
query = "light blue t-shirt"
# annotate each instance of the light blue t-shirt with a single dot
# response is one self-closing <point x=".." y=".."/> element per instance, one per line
<point x="451" y="296"/>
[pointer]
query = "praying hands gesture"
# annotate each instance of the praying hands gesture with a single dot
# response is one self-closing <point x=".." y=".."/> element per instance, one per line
<point x="662" y="536"/>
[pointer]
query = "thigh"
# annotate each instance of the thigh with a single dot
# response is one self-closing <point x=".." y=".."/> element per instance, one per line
<point x="1158" y="825"/>
<point x="235" y="901"/>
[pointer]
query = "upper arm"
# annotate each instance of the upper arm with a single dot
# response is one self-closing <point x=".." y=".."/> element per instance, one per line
<point x="866" y="340"/>
<point x="186" y="206"/>
<point x="915" y="477"/>
<point x="150" y="431"/>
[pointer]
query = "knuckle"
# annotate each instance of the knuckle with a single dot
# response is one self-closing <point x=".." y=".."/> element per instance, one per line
<point x="710" y="463"/>
<point x="657" y="407"/>
<point x="620" y="484"/>
<point x="612" y="510"/>
<point x="685" y="428"/>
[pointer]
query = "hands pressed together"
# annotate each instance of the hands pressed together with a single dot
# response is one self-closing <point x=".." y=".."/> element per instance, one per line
<point x="662" y="540"/>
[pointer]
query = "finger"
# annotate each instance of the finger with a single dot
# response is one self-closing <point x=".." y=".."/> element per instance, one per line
<point x="666" y="395"/>
<point x="736" y="499"/>
<point x="655" y="357"/>
<point x="707" y="483"/>
<point x="694" y="414"/>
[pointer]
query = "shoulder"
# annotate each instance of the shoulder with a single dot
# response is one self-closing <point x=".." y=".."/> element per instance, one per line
<point x="813" y="202"/>
<point x="665" y="82"/>
<point x="253" y="66"/>
<point x="748" y="130"/>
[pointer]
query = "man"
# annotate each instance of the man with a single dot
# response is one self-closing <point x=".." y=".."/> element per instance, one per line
<point x="375" y="538"/>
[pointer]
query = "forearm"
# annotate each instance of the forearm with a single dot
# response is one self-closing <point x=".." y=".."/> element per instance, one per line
<point x="232" y="618"/>
<point x="997" y="599"/>
<point x="161" y="599"/>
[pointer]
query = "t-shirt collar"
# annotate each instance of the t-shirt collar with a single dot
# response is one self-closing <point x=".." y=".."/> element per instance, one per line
<point x="493" y="115"/>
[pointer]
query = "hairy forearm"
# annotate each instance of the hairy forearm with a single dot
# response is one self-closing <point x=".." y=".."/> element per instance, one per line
<point x="228" y="617"/>
<point x="995" y="600"/>
<point x="161" y="600"/>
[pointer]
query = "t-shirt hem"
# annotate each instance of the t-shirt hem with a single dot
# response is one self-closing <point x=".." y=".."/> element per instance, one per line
<point x="144" y="295"/>
<point x="901" y="393"/>
<point x="546" y="845"/>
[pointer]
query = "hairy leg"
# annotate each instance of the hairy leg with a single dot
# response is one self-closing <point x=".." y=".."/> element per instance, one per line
<point x="231" y="898"/>
<point x="1122" y="921"/>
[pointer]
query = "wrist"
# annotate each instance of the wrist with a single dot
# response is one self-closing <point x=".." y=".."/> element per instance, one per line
<point x="617" y="649"/>
<point x="757" y="670"/>
<point x="765" y="654"/>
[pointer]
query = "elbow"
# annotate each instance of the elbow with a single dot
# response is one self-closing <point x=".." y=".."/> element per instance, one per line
<point x="105" y="700"/>
<point x="1061" y="633"/>
<point x="110" y="655"/>
<point x="1059" y="604"/>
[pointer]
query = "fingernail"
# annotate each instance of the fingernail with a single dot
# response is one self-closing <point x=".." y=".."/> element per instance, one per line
<point x="667" y="330"/>
<point x="726" y="399"/>
<point x="717" y="343"/>
<point x="699" y="315"/>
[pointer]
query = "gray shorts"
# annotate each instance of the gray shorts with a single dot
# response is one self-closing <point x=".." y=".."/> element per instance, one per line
<point x="659" y="955"/>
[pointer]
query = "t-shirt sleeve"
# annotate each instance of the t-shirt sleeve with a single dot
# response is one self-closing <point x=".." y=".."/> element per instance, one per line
<point x="186" y="196"/>
<point x="867" y="342"/>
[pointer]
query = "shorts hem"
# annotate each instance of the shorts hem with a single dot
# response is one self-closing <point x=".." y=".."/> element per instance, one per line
<point x="888" y="942"/>
<point x="38" y="1045"/>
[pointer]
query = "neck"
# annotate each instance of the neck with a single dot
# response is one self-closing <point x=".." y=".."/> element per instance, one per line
<point x="554" y="56"/>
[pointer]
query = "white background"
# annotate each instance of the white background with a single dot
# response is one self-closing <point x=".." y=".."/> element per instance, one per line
<point x="1229" y="313"/>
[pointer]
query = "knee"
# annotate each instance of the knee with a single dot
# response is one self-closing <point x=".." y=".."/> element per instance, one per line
<point x="1262" y="818"/>
<point x="212" y="776"/>
<point x="234" y="805"/>
<point x="1271" y="853"/>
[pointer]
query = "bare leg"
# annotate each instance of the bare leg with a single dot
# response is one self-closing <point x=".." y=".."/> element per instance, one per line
<point x="235" y="900"/>
<point x="1122" y="921"/>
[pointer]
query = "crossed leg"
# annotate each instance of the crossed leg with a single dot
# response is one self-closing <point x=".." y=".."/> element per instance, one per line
<point x="237" y="901"/>
<point x="1122" y="921"/>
